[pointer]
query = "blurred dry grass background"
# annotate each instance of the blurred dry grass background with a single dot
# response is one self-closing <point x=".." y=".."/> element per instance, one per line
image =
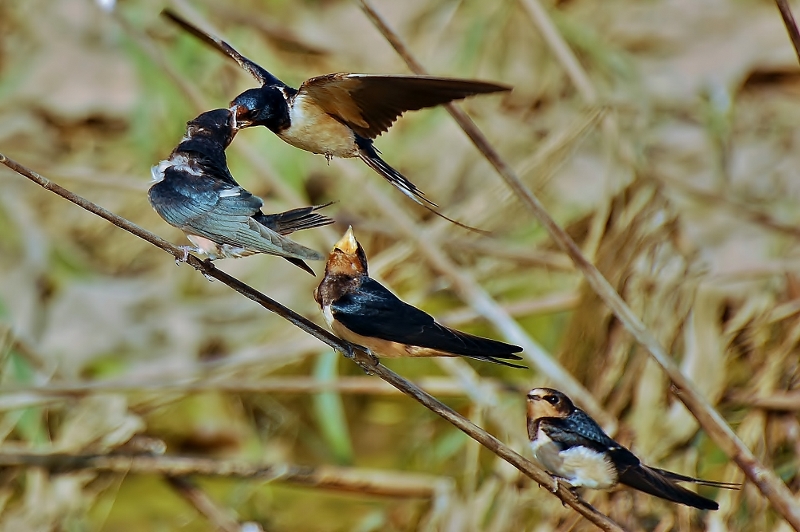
<point x="685" y="194"/>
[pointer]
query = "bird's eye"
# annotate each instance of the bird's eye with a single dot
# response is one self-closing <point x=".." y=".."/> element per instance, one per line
<point x="552" y="399"/>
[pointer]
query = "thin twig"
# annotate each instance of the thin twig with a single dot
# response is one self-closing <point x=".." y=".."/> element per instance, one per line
<point x="198" y="498"/>
<point x="477" y="297"/>
<point x="287" y="385"/>
<point x="561" y="50"/>
<point x="368" y="481"/>
<point x="791" y="25"/>
<point x="362" y="358"/>
<point x="712" y="422"/>
<point x="740" y="209"/>
<point x="778" y="401"/>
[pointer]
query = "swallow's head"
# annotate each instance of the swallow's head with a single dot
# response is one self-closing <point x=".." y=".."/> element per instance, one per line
<point x="265" y="106"/>
<point x="216" y="124"/>
<point x="547" y="402"/>
<point x="347" y="257"/>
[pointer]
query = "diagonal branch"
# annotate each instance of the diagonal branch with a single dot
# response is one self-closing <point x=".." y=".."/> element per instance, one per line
<point x="362" y="358"/>
<point x="791" y="25"/>
<point x="712" y="422"/>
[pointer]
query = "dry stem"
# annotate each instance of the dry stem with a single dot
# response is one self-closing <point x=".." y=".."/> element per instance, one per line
<point x="362" y="358"/>
<point x="791" y="25"/>
<point x="712" y="422"/>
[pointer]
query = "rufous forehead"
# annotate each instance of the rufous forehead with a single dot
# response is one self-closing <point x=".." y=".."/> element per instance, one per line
<point x="341" y="263"/>
<point x="347" y="243"/>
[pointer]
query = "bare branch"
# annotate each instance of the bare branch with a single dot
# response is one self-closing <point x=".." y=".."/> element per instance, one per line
<point x="359" y="356"/>
<point x="712" y="422"/>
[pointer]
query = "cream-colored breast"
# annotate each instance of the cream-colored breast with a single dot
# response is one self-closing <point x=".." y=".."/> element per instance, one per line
<point x="314" y="130"/>
<point x="580" y="466"/>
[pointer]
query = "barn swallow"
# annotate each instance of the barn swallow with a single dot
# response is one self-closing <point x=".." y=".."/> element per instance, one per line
<point x="195" y="192"/>
<point x="571" y="445"/>
<point x="360" y="310"/>
<point x="339" y="115"/>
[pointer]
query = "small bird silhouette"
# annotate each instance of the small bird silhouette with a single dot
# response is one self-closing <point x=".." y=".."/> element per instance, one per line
<point x="571" y="445"/>
<point x="195" y="192"/>
<point x="360" y="310"/>
<point x="339" y="115"/>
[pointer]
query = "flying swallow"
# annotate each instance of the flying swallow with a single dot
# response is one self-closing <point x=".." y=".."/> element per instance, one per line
<point x="195" y="192"/>
<point x="360" y="310"/>
<point x="339" y="115"/>
<point x="571" y="445"/>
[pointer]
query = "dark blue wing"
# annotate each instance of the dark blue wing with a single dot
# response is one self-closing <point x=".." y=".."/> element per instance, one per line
<point x="375" y="312"/>
<point x="580" y="429"/>
<point x="219" y="211"/>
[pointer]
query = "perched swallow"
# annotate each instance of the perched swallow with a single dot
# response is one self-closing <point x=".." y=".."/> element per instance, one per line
<point x="360" y="310"/>
<point x="572" y="446"/>
<point x="338" y="115"/>
<point x="195" y="192"/>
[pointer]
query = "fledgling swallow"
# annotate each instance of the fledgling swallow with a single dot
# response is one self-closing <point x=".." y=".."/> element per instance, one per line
<point x="360" y="310"/>
<point x="571" y="445"/>
<point x="195" y="192"/>
<point x="339" y="115"/>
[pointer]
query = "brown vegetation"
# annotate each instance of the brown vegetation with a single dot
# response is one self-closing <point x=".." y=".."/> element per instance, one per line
<point x="680" y="190"/>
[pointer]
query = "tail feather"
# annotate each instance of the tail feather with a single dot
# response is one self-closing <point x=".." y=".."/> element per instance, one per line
<point x="498" y="359"/>
<point x="699" y="481"/>
<point x="288" y="222"/>
<point x="369" y="155"/>
<point x="652" y="481"/>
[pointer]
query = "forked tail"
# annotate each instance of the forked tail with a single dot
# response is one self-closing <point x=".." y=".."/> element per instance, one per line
<point x="286" y="223"/>
<point x="368" y="154"/>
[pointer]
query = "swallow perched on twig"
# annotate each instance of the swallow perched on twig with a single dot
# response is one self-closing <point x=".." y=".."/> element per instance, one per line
<point x="360" y="310"/>
<point x="195" y="192"/>
<point x="571" y="445"/>
<point x="339" y="115"/>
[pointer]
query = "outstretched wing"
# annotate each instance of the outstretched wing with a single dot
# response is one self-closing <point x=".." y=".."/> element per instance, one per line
<point x="369" y="104"/>
<point x="261" y="74"/>
<point x="375" y="312"/>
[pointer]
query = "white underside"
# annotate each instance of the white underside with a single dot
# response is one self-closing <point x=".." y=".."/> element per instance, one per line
<point x="216" y="251"/>
<point x="580" y="466"/>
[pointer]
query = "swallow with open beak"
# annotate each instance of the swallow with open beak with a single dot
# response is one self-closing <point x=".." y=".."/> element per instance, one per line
<point x="360" y="310"/>
<point x="195" y="192"/>
<point x="339" y="115"/>
<point x="571" y="445"/>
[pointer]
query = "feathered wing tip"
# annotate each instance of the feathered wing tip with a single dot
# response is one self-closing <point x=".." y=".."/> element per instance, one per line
<point x="260" y="74"/>
<point x="301" y="264"/>
<point x="370" y="156"/>
<point x="652" y="481"/>
<point x="485" y="349"/>
<point x="288" y="222"/>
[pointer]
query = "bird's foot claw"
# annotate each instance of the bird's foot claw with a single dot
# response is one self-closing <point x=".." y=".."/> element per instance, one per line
<point x="348" y="352"/>
<point x="185" y="256"/>
<point x="366" y="366"/>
